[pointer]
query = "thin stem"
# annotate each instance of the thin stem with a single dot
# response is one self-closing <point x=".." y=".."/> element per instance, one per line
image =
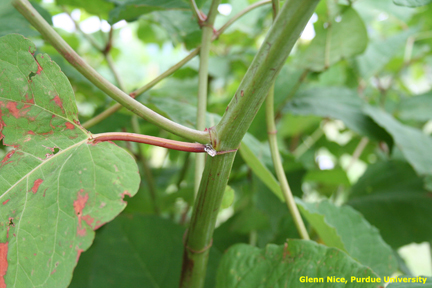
<point x="239" y="15"/>
<point x="308" y="142"/>
<point x="277" y="162"/>
<point x="201" y="18"/>
<point x="146" y="167"/>
<point x="357" y="152"/>
<point x="89" y="38"/>
<point x="156" y="141"/>
<point x="116" y="75"/>
<point x="207" y="33"/>
<point x="111" y="110"/>
<point x="283" y="181"/>
<point x="27" y="10"/>
<point x="291" y="93"/>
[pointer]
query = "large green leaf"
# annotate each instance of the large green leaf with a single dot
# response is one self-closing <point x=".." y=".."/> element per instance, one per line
<point x="417" y="108"/>
<point x="97" y="7"/>
<point x="11" y="21"/>
<point x="56" y="186"/>
<point x="378" y="54"/>
<point x="414" y="144"/>
<point x="137" y="251"/>
<point x="391" y="197"/>
<point x="130" y="10"/>
<point x="412" y="3"/>
<point x="346" y="229"/>
<point x="344" y="36"/>
<point x="245" y="266"/>
<point x="336" y="102"/>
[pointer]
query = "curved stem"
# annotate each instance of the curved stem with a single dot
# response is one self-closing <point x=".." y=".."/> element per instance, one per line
<point x="27" y="10"/>
<point x="277" y="162"/>
<point x="239" y="15"/>
<point x="111" y="110"/>
<point x="156" y="141"/>
<point x="283" y="181"/>
<point x="206" y="39"/>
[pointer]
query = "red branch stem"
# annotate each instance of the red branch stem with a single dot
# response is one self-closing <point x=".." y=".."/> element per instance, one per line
<point x="156" y="141"/>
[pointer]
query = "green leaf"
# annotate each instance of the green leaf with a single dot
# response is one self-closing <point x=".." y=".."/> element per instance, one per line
<point x="96" y="7"/>
<point x="340" y="103"/>
<point x="130" y="10"/>
<point x="377" y="54"/>
<point x="344" y="37"/>
<point x="414" y="144"/>
<point x="341" y="227"/>
<point x="412" y="3"/>
<point x="245" y="266"/>
<point x="56" y="187"/>
<point x="419" y="282"/>
<point x="228" y="197"/>
<point x="11" y="21"/>
<point x="391" y="197"/>
<point x="417" y="108"/>
<point x="124" y="256"/>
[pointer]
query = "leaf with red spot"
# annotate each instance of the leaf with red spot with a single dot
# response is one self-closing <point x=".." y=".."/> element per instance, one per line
<point x="56" y="187"/>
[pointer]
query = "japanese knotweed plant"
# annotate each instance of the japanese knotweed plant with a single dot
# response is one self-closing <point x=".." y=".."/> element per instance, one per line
<point x="59" y="182"/>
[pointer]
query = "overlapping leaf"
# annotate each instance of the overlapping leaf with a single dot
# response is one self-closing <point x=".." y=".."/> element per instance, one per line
<point x="346" y="229"/>
<point x="344" y="36"/>
<point x="414" y="144"/>
<point x="124" y="256"/>
<point x="56" y="187"/>
<point x="245" y="266"/>
<point x="391" y="197"/>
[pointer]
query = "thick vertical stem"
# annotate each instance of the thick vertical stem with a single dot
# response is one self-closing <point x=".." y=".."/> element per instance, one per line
<point x="207" y="35"/>
<point x="199" y="235"/>
<point x="228" y="134"/>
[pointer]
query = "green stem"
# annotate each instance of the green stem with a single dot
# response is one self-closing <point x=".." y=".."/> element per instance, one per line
<point x="197" y="12"/>
<point x="239" y="15"/>
<point x="146" y="167"/>
<point x="283" y="181"/>
<point x="199" y="235"/>
<point x="277" y="162"/>
<point x="27" y="10"/>
<point x="171" y="70"/>
<point x="228" y="134"/>
<point x="308" y="142"/>
<point x="207" y="34"/>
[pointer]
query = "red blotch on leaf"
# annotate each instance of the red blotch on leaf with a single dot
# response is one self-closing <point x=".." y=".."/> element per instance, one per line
<point x="3" y="263"/>
<point x="5" y="202"/>
<point x="7" y="157"/>
<point x="79" y="205"/>
<point x="17" y="113"/>
<point x="58" y="102"/>
<point x="31" y="132"/>
<point x="70" y="126"/>
<point x="36" y="185"/>
<point x="39" y="68"/>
